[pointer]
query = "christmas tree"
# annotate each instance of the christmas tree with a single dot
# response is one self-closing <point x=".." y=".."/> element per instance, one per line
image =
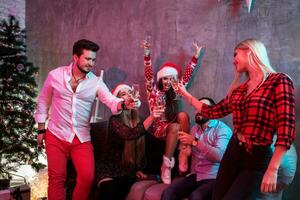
<point x="18" y="90"/>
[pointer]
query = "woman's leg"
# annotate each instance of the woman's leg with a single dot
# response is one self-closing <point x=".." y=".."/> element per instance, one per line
<point x="168" y="159"/>
<point x="184" y="121"/>
<point x="184" y="150"/>
<point x="228" y="171"/>
<point x="246" y="186"/>
<point x="172" y="139"/>
<point x="249" y="169"/>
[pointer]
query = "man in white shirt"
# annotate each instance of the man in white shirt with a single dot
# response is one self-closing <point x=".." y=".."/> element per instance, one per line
<point x="70" y="92"/>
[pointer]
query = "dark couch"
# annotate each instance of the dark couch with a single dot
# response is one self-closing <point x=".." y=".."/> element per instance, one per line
<point x="99" y="134"/>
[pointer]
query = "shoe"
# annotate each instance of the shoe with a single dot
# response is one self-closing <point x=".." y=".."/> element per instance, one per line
<point x="184" y="153"/>
<point x="166" y="168"/>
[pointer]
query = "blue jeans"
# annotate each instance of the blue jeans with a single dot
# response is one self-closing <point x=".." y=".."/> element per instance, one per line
<point x="286" y="173"/>
<point x="189" y="187"/>
<point x="240" y="173"/>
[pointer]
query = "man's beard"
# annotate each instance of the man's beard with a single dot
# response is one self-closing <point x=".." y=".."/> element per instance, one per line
<point x="200" y="121"/>
<point x="82" y="70"/>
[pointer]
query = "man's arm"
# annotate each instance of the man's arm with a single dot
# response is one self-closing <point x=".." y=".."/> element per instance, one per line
<point x="213" y="152"/>
<point x="44" y="101"/>
<point x="42" y="111"/>
<point x="106" y="97"/>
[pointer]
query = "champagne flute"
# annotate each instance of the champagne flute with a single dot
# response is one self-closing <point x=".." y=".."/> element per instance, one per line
<point x="136" y="91"/>
<point x="135" y="95"/>
<point x="161" y="104"/>
<point x="174" y="83"/>
<point x="148" y="39"/>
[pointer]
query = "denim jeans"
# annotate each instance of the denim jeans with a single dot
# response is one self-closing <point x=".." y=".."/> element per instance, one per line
<point x="189" y="187"/>
<point x="240" y="173"/>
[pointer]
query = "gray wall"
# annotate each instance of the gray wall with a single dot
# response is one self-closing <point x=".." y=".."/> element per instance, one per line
<point x="15" y="8"/>
<point x="120" y="25"/>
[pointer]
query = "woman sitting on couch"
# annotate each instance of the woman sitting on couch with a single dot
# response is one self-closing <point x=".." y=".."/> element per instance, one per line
<point x="124" y="155"/>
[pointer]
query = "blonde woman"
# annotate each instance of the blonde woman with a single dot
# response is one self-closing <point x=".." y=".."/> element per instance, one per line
<point x="262" y="106"/>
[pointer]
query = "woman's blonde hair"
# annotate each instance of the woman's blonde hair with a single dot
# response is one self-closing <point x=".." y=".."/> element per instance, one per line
<point x="258" y="59"/>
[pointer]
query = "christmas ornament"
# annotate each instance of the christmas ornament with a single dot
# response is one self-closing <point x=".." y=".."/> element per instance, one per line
<point x="20" y="67"/>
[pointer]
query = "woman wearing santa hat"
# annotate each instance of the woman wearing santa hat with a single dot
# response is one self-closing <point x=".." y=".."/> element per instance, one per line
<point x="167" y="126"/>
<point x="124" y="157"/>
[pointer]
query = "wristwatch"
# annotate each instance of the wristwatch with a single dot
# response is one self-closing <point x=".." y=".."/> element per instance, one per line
<point x="41" y="131"/>
<point x="195" y="142"/>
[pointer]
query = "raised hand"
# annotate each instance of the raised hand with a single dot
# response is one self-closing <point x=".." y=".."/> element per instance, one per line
<point x="146" y="44"/>
<point x="179" y="88"/>
<point x="198" y="49"/>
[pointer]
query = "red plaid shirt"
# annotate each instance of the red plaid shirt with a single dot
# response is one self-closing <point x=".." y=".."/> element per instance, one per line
<point x="153" y="91"/>
<point x="268" y="109"/>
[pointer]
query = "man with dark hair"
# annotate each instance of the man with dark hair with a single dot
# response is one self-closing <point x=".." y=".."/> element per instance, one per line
<point x="70" y="92"/>
<point x="84" y="44"/>
<point x="208" y="139"/>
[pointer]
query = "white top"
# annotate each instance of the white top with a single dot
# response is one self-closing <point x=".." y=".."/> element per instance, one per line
<point x="71" y="111"/>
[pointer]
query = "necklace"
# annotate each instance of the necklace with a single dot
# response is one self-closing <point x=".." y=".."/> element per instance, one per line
<point x="79" y="79"/>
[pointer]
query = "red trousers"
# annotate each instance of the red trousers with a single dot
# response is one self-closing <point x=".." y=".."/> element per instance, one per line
<point x="82" y="155"/>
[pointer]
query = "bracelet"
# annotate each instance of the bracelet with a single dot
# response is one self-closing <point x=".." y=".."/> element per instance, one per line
<point x="41" y="131"/>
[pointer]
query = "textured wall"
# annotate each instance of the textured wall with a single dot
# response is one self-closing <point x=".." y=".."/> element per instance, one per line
<point x="120" y="25"/>
<point x="13" y="7"/>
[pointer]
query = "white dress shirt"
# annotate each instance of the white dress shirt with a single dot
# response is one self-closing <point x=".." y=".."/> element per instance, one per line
<point x="71" y="111"/>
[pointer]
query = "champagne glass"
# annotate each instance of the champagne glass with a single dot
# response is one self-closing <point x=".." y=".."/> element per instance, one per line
<point x="161" y="104"/>
<point x="135" y="95"/>
<point x="148" y="39"/>
<point x="174" y="83"/>
<point x="136" y="91"/>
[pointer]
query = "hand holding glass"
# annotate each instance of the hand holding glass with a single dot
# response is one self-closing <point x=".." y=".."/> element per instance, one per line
<point x="157" y="112"/>
<point x="160" y="107"/>
<point x="174" y="83"/>
<point x="135" y="91"/>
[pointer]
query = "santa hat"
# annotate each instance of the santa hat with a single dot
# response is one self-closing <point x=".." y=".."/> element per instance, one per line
<point x="168" y="69"/>
<point x="119" y="87"/>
